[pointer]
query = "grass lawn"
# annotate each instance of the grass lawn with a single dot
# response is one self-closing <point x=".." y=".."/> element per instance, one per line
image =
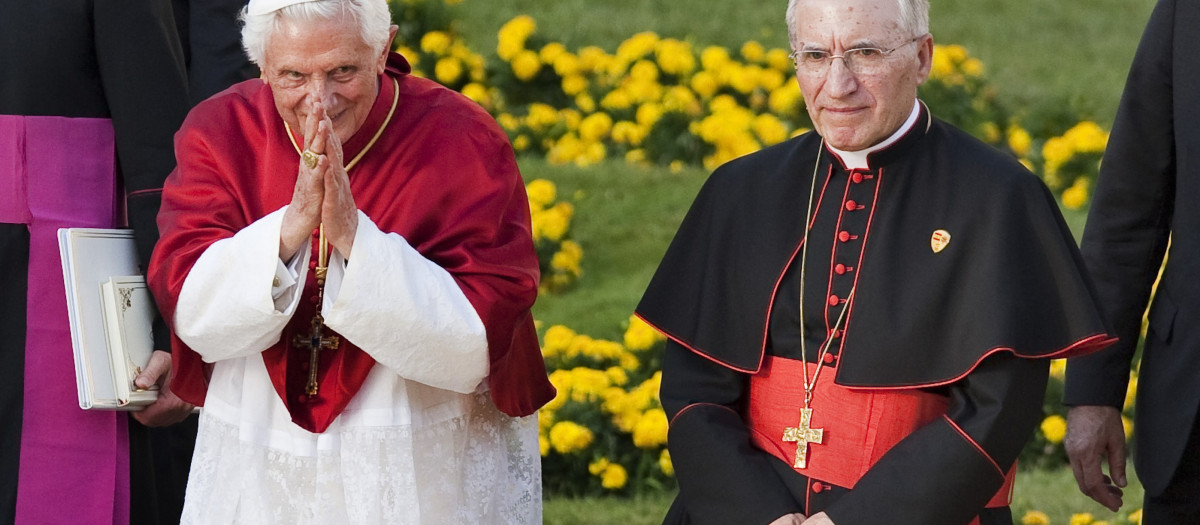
<point x="1052" y="492"/>
<point x="1041" y="54"/>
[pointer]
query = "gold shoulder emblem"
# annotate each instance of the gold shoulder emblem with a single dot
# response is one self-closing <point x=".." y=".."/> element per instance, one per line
<point x="939" y="240"/>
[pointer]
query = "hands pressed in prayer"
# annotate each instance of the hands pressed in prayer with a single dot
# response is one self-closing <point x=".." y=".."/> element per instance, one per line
<point x="1093" y="433"/>
<point x="322" y="193"/>
<point x="789" y="519"/>
<point x="168" y="409"/>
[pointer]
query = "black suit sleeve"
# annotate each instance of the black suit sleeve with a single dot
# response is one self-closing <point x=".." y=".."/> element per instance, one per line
<point x="141" y="70"/>
<point x="1129" y="223"/>
<point x="722" y="477"/>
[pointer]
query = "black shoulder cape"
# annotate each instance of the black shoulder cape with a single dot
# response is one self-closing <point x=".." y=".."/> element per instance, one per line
<point x="1010" y="279"/>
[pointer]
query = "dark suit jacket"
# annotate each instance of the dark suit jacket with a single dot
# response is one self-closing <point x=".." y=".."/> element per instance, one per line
<point x="1148" y="193"/>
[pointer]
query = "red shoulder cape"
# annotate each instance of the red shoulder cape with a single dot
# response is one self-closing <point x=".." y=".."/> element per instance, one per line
<point x="442" y="175"/>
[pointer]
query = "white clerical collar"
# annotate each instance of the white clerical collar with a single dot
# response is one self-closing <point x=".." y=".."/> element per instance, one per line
<point x="858" y="159"/>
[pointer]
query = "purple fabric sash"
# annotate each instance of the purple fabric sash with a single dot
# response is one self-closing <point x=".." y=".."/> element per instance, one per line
<point x="60" y="172"/>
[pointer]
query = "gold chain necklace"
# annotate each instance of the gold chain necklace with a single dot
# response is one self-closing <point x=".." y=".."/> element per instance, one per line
<point x="315" y="341"/>
<point x="803" y="434"/>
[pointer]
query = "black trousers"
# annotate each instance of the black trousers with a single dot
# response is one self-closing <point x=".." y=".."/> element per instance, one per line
<point x="14" y="261"/>
<point x="1179" y="504"/>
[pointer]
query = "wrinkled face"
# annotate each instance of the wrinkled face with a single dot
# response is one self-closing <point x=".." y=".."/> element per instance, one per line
<point x="323" y="61"/>
<point x="856" y="111"/>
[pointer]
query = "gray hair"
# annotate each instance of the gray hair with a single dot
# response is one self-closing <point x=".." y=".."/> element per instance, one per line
<point x="371" y="16"/>
<point x="914" y="17"/>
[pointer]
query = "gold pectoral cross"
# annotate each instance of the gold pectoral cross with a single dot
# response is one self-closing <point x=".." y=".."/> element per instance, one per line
<point x="802" y="435"/>
<point x="315" y="342"/>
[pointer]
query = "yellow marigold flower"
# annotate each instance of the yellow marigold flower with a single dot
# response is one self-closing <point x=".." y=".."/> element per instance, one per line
<point x="614" y="477"/>
<point x="651" y="430"/>
<point x="942" y="65"/>
<point x="1058" y="369"/>
<point x="704" y="84"/>
<point x="644" y="71"/>
<point x="571" y="117"/>
<point x="565" y="263"/>
<point x="1035" y="517"/>
<point x="676" y="166"/>
<point x="448" y="70"/>
<point x="541" y="116"/>
<point x="543" y="446"/>
<point x="1131" y="391"/>
<point x="779" y="59"/>
<point x="741" y="79"/>
<point x="507" y="121"/>
<point x="541" y="193"/>
<point x="990" y="131"/>
<point x="566" y="64"/>
<point x="973" y="67"/>
<point x="664" y="463"/>
<point x="769" y="129"/>
<point x="1136" y="517"/>
<point x="770" y="79"/>
<point x="713" y="58"/>
<point x="1054" y="427"/>
<point x="785" y="99"/>
<point x="603" y="350"/>
<point x="635" y="156"/>
<point x="550" y="52"/>
<point x="1127" y="425"/>
<point x="1077" y="195"/>
<point x="436" y="42"/>
<point x="616" y="100"/>
<point x="617" y="375"/>
<point x="648" y="114"/>
<point x="1082" y="518"/>
<point x="627" y="360"/>
<point x="1019" y="140"/>
<point x="526" y="65"/>
<point x="1056" y="152"/>
<point x="675" y="57"/>
<point x="637" y="46"/>
<point x="955" y="52"/>
<point x="567" y="437"/>
<point x="593" y="153"/>
<point x="512" y="36"/>
<point x="640" y="336"/>
<point x="521" y="143"/>
<point x="591" y="57"/>
<point x="572" y="248"/>
<point x="681" y="100"/>
<point x="1086" y="137"/>
<point x="561" y="379"/>
<point x="573" y="85"/>
<point x="595" y="127"/>
<point x="754" y="52"/>
<point x="722" y="103"/>
<point x="595" y="468"/>
<point x="626" y="132"/>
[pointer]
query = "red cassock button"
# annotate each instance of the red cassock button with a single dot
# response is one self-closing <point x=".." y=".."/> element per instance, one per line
<point x="851" y="205"/>
<point x="856" y="178"/>
<point x="839" y="269"/>
<point x="835" y="334"/>
<point x="317" y="232"/>
<point x="817" y="486"/>
<point x="833" y="300"/>
<point x="828" y="359"/>
<point x="844" y="236"/>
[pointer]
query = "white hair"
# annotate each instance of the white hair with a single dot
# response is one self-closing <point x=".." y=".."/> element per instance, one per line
<point x="914" y="17"/>
<point x="371" y="16"/>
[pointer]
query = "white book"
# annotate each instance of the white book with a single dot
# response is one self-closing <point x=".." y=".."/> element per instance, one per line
<point x="110" y="339"/>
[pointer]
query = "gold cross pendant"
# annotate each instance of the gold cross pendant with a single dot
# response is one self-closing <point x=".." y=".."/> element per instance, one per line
<point x="802" y="435"/>
<point x="315" y="342"/>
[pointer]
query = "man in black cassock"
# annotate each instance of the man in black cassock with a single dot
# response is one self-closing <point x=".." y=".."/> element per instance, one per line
<point x="860" y="319"/>
<point x="94" y="92"/>
<point x="1145" y="201"/>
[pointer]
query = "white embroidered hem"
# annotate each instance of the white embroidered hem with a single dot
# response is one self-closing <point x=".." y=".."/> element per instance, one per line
<point x="479" y="467"/>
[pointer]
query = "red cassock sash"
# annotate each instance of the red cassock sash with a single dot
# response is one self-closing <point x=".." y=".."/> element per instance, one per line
<point x="859" y="426"/>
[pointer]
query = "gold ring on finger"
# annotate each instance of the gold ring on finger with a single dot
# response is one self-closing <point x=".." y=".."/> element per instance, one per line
<point x="309" y="158"/>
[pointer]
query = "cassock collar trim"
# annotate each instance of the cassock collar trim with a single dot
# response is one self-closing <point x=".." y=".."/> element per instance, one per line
<point x="916" y="126"/>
